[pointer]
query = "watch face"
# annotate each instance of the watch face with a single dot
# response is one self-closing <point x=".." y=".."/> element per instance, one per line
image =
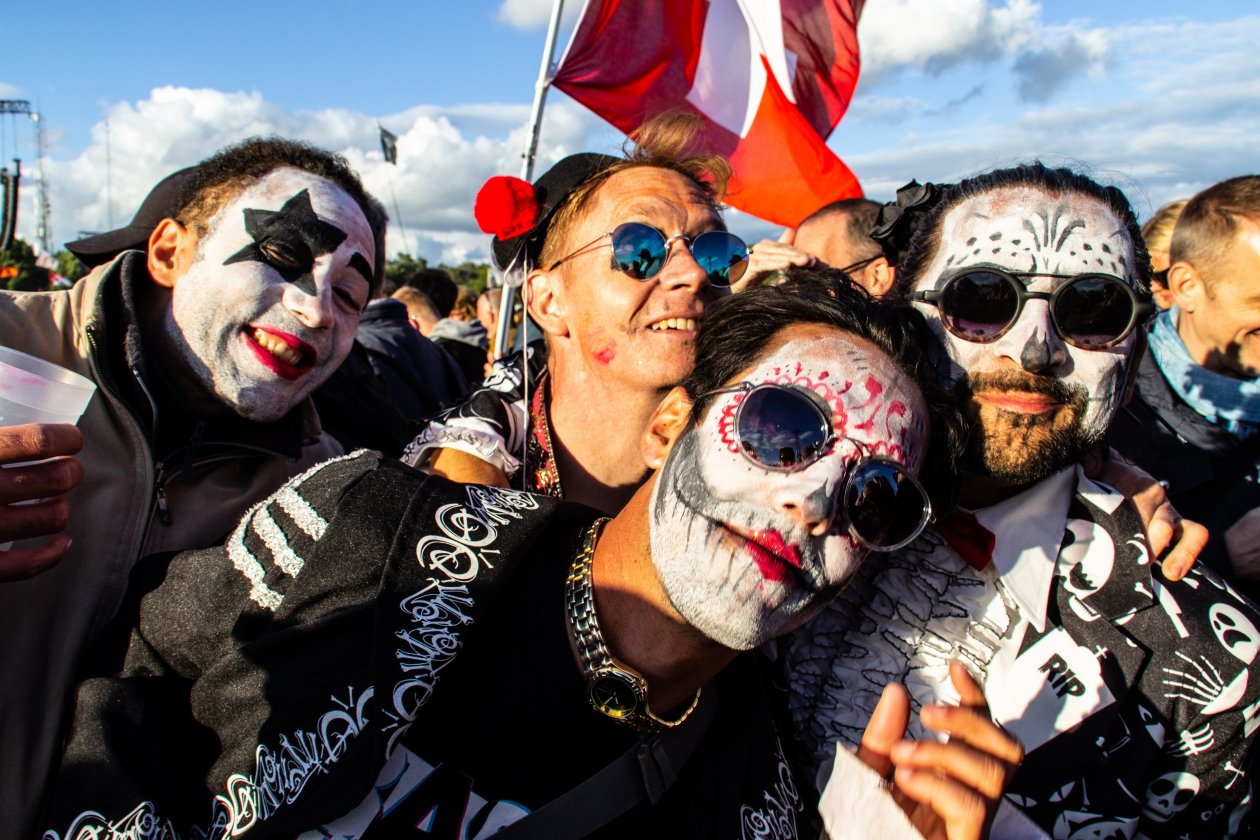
<point x="616" y="693"/>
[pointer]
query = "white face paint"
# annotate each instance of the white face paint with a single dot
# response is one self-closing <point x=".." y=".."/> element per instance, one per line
<point x="747" y="554"/>
<point x="1037" y="399"/>
<point x="269" y="306"/>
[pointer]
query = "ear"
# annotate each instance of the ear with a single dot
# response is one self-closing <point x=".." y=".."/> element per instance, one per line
<point x="545" y="301"/>
<point x="1186" y="286"/>
<point x="878" y="277"/>
<point x="668" y="421"/>
<point x="171" y="248"/>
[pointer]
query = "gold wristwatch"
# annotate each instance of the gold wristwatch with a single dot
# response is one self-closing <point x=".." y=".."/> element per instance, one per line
<point x="613" y="688"/>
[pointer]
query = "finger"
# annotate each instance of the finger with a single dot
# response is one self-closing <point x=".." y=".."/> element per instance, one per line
<point x="1191" y="539"/>
<point x="788" y="236"/>
<point x="22" y="564"/>
<point x="35" y="520"/>
<point x="969" y="691"/>
<point x="885" y="729"/>
<point x="34" y="441"/>
<point x="964" y="811"/>
<point x="974" y="727"/>
<point x="39" y="481"/>
<point x="977" y="769"/>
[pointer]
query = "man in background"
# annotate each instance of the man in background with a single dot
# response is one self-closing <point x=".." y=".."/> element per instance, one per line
<point x="1194" y="421"/>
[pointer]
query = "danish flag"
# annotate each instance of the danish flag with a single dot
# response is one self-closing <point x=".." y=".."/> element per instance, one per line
<point x="769" y="78"/>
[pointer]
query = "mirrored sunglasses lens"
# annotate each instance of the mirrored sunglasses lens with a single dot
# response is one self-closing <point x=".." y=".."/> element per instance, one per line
<point x="979" y="305"/>
<point x="884" y="506"/>
<point x="1094" y="311"/>
<point x="723" y="256"/>
<point x="780" y="429"/>
<point x="638" y="250"/>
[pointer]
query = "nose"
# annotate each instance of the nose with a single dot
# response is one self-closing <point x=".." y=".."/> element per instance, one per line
<point x="681" y="269"/>
<point x="1042" y="349"/>
<point x="810" y="505"/>
<point x="310" y="302"/>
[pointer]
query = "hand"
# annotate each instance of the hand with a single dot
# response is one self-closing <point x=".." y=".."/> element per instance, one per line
<point x="1242" y="541"/>
<point x="458" y="465"/>
<point x="42" y="488"/>
<point x="1164" y="526"/>
<point x="951" y="790"/>
<point x="770" y="256"/>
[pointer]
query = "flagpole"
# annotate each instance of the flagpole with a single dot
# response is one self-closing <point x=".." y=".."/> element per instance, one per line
<point x="389" y="150"/>
<point x="545" y="73"/>
<point x="398" y="215"/>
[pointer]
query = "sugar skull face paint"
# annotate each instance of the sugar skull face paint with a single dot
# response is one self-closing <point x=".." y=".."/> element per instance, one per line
<point x="269" y="306"/>
<point x="746" y="553"/>
<point x="1038" y="402"/>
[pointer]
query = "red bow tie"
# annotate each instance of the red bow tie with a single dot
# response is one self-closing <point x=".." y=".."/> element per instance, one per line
<point x="964" y="533"/>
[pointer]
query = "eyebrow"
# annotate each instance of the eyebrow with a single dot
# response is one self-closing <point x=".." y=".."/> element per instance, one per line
<point x="360" y="264"/>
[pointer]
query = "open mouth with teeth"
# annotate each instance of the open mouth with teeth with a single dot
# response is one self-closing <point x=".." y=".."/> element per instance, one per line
<point x="681" y="324"/>
<point x="284" y="354"/>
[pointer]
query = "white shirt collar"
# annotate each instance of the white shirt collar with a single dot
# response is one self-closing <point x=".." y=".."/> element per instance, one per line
<point x="1028" y="530"/>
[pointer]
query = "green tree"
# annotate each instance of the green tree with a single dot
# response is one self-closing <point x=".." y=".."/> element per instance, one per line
<point x="470" y="274"/>
<point x="18" y="272"/>
<point x="69" y="267"/>
<point x="397" y="269"/>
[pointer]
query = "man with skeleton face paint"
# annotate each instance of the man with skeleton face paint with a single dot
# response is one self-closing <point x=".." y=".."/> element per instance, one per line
<point x="204" y="346"/>
<point x="350" y="680"/>
<point x="1115" y="678"/>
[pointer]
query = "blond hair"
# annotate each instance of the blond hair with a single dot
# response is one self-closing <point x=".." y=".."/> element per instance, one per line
<point x="1158" y="230"/>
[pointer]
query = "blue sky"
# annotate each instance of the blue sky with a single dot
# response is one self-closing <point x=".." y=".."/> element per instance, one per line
<point x="1158" y="97"/>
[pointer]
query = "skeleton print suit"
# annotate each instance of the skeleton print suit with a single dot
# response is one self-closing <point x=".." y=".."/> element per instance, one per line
<point x="1136" y="699"/>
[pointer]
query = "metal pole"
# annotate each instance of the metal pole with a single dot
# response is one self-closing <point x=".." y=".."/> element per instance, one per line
<point x="546" y="71"/>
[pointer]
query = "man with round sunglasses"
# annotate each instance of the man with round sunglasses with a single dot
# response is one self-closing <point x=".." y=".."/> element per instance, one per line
<point x="376" y="652"/>
<point x="620" y="258"/>
<point x="1135" y="696"/>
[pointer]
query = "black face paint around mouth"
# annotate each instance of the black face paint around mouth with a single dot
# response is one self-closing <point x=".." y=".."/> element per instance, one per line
<point x="289" y="240"/>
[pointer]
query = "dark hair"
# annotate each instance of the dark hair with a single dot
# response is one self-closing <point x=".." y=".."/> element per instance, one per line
<point x="1209" y="222"/>
<point x="926" y="238"/>
<point x="437" y="285"/>
<point x="220" y="177"/>
<point x="860" y="215"/>
<point x="737" y="330"/>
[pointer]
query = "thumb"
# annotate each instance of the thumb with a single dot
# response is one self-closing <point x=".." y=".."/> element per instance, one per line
<point x="788" y="236"/>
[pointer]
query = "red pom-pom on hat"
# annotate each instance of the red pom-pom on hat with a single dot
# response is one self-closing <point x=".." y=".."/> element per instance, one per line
<point x="506" y="207"/>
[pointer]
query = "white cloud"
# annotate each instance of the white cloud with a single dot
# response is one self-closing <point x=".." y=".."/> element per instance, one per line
<point x="533" y="14"/>
<point x="1176" y="112"/>
<point x="1044" y="69"/>
<point x="444" y="155"/>
<point x="8" y="91"/>
<point x="933" y="36"/>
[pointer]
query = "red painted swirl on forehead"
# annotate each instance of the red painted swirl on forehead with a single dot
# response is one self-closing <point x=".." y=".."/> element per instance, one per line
<point x="726" y="423"/>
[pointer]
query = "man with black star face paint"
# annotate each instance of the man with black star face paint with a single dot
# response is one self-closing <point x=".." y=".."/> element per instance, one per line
<point x="1135" y="696"/>
<point x="204" y="347"/>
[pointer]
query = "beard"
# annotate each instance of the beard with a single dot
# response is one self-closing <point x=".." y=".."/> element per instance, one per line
<point x="1025" y="448"/>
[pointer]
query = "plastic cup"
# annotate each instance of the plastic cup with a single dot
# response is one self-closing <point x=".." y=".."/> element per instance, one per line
<point x="35" y="391"/>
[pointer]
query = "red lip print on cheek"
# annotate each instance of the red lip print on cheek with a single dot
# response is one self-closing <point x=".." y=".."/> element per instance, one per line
<point x="603" y="348"/>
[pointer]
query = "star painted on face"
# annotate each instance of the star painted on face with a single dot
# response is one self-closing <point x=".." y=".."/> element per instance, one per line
<point x="290" y="240"/>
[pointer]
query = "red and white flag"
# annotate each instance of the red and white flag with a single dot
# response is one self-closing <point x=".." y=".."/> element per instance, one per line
<point x="770" y="79"/>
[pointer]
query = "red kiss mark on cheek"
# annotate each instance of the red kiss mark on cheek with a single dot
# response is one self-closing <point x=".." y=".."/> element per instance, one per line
<point x="603" y="348"/>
